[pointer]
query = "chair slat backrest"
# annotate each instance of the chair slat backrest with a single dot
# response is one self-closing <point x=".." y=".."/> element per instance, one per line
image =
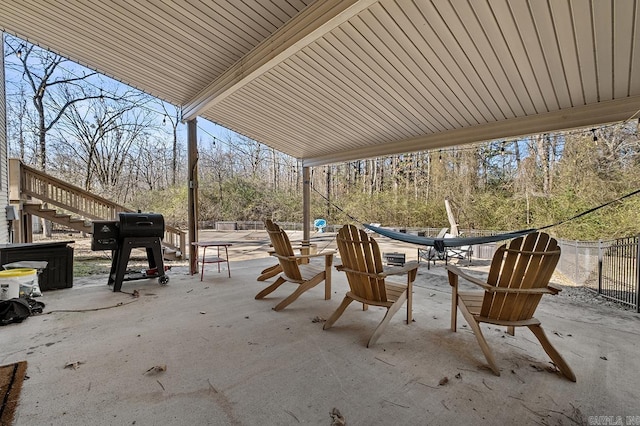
<point x="526" y="262"/>
<point x="282" y="246"/>
<point x="361" y="253"/>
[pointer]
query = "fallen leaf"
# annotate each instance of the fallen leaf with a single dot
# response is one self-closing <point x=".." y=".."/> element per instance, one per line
<point x="318" y="319"/>
<point x="604" y="358"/>
<point x="135" y="293"/>
<point x="157" y="369"/>
<point x="459" y="376"/>
<point x="74" y="364"/>
<point x="443" y="381"/>
<point x="337" y="419"/>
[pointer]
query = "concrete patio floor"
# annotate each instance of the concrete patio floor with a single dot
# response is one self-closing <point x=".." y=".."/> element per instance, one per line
<point x="232" y="360"/>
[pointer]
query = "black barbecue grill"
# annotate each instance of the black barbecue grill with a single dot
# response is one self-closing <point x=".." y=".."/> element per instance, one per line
<point x="133" y="230"/>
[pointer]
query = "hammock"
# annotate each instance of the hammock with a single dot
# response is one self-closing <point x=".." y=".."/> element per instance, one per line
<point x="440" y="243"/>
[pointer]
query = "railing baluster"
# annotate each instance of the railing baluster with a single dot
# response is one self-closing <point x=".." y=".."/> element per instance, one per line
<point x="49" y="189"/>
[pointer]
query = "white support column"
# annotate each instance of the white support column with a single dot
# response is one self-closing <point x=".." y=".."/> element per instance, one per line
<point x="4" y="164"/>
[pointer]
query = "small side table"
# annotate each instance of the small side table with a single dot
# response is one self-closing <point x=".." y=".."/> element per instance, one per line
<point x="217" y="259"/>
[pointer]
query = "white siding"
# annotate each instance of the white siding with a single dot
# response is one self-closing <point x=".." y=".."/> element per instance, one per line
<point x="4" y="165"/>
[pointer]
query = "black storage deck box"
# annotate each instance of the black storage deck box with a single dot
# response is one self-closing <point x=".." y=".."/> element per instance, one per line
<point x="58" y="255"/>
<point x="395" y="259"/>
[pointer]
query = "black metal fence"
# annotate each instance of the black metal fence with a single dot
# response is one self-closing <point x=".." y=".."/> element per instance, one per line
<point x="609" y="268"/>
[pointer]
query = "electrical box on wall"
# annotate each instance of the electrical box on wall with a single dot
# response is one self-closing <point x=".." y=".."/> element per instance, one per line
<point x="12" y="212"/>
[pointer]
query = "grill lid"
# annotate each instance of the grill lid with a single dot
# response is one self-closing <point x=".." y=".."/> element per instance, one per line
<point x="141" y="225"/>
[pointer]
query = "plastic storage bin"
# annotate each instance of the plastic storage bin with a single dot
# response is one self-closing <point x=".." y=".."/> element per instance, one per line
<point x="17" y="282"/>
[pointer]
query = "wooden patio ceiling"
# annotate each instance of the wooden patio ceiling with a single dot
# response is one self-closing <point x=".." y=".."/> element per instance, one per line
<point x="334" y="80"/>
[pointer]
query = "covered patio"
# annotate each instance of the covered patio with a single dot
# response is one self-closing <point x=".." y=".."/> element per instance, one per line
<point x="231" y="359"/>
<point x="336" y="80"/>
<point x="330" y="81"/>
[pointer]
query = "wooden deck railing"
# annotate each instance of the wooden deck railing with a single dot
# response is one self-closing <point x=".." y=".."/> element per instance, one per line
<point x="37" y="184"/>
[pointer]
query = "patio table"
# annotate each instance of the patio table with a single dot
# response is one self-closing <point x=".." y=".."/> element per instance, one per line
<point x="216" y="259"/>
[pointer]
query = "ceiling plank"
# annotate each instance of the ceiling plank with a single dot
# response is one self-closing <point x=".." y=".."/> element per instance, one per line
<point x="570" y="118"/>
<point x="622" y="46"/>
<point x="311" y="24"/>
<point x="604" y="48"/>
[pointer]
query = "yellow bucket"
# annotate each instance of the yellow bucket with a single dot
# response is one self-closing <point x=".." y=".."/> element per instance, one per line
<point x="15" y="281"/>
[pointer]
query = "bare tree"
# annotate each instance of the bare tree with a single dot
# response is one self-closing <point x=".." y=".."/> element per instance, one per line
<point x="174" y="121"/>
<point x="102" y="134"/>
<point x="19" y="128"/>
<point x="43" y="72"/>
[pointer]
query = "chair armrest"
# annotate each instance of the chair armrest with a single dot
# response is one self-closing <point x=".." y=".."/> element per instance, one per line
<point x="271" y="250"/>
<point x="539" y="290"/>
<point x="407" y="268"/>
<point x="473" y="280"/>
<point x="554" y="288"/>
<point x="550" y="289"/>
<point x="400" y="270"/>
<point x="303" y="256"/>
<point x="342" y="268"/>
<point x="307" y="256"/>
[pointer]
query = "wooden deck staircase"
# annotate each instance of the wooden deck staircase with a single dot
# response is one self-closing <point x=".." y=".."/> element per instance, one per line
<point x="73" y="222"/>
<point x="39" y="194"/>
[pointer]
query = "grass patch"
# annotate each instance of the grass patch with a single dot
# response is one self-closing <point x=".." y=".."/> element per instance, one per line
<point x="88" y="267"/>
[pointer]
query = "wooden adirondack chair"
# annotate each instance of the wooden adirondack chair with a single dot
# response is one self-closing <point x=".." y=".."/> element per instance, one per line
<point x="362" y="262"/>
<point x="306" y="276"/>
<point x="518" y="277"/>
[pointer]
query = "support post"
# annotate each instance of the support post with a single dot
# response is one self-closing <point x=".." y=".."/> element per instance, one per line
<point x="15" y="198"/>
<point x="192" y="158"/>
<point x="5" y="231"/>
<point x="638" y="273"/>
<point x="599" y="265"/>
<point x="306" y="205"/>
